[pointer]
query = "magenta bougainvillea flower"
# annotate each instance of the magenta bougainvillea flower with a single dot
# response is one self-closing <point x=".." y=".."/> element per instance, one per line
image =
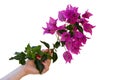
<point x="51" y="26"/>
<point x="67" y="56"/>
<point x="88" y="27"/>
<point x="83" y="21"/>
<point x="65" y="36"/>
<point x="70" y="14"/>
<point x="87" y="14"/>
<point x="61" y="15"/>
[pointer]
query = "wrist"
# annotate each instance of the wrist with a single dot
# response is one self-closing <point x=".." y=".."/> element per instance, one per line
<point x="19" y="73"/>
<point x="23" y="71"/>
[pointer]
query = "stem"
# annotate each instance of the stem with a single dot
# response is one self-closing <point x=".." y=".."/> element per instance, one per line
<point x="57" y="37"/>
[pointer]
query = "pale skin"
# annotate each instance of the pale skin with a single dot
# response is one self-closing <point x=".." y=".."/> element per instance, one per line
<point x="28" y="68"/>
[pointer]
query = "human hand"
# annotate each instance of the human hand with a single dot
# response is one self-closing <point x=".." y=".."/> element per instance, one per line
<point x="30" y="67"/>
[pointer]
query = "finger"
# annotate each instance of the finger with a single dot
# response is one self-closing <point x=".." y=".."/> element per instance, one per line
<point x="46" y="68"/>
<point x="48" y="62"/>
<point x="34" y="70"/>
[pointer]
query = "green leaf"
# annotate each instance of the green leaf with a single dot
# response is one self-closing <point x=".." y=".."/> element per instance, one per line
<point x="22" y="62"/>
<point x="29" y="53"/>
<point x="41" y="53"/>
<point x="70" y="27"/>
<point x="79" y="27"/>
<point x="44" y="57"/>
<point x="36" y="49"/>
<point x="61" y="31"/>
<point x="71" y="33"/>
<point x="55" y="57"/>
<point x="39" y="65"/>
<point x="30" y="56"/>
<point x="46" y="44"/>
<point x="21" y="56"/>
<point x="57" y="44"/>
<point x="28" y="48"/>
<point x="63" y="43"/>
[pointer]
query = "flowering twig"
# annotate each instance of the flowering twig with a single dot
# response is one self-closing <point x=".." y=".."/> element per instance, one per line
<point x="70" y="35"/>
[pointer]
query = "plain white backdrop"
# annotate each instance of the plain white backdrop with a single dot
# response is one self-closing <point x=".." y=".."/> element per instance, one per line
<point x="21" y="22"/>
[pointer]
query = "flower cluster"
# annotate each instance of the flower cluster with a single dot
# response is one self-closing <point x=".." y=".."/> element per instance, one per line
<point x="71" y="32"/>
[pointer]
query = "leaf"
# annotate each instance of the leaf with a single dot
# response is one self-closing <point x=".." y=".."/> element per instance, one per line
<point x="71" y="33"/>
<point x="39" y="65"/>
<point x="57" y="44"/>
<point x="22" y="62"/>
<point x="30" y="56"/>
<point x="29" y="53"/>
<point x="21" y="56"/>
<point x="61" y="31"/>
<point x="36" y="49"/>
<point x="63" y="43"/>
<point x="55" y="57"/>
<point x="46" y="44"/>
<point x="41" y="53"/>
<point x="44" y="57"/>
<point x="79" y="27"/>
<point x="70" y="27"/>
<point x="28" y="48"/>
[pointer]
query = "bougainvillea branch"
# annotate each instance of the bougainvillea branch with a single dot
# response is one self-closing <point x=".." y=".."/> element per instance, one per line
<point x="70" y="34"/>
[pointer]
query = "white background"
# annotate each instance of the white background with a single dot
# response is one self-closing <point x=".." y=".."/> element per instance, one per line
<point x="21" y="22"/>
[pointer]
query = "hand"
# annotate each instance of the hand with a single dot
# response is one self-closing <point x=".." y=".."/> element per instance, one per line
<point x="30" y="67"/>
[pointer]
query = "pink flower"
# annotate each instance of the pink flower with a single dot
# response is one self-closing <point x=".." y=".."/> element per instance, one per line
<point x="83" y="21"/>
<point x="51" y="26"/>
<point x="87" y="14"/>
<point x="78" y="34"/>
<point x="52" y="21"/>
<point x="61" y="29"/>
<point x="67" y="56"/>
<point x="80" y="38"/>
<point x="74" y="43"/>
<point x="75" y="47"/>
<point x="68" y="44"/>
<point x="88" y="27"/>
<point x="70" y="14"/>
<point x="61" y="15"/>
<point x="83" y="39"/>
<point x="65" y="36"/>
